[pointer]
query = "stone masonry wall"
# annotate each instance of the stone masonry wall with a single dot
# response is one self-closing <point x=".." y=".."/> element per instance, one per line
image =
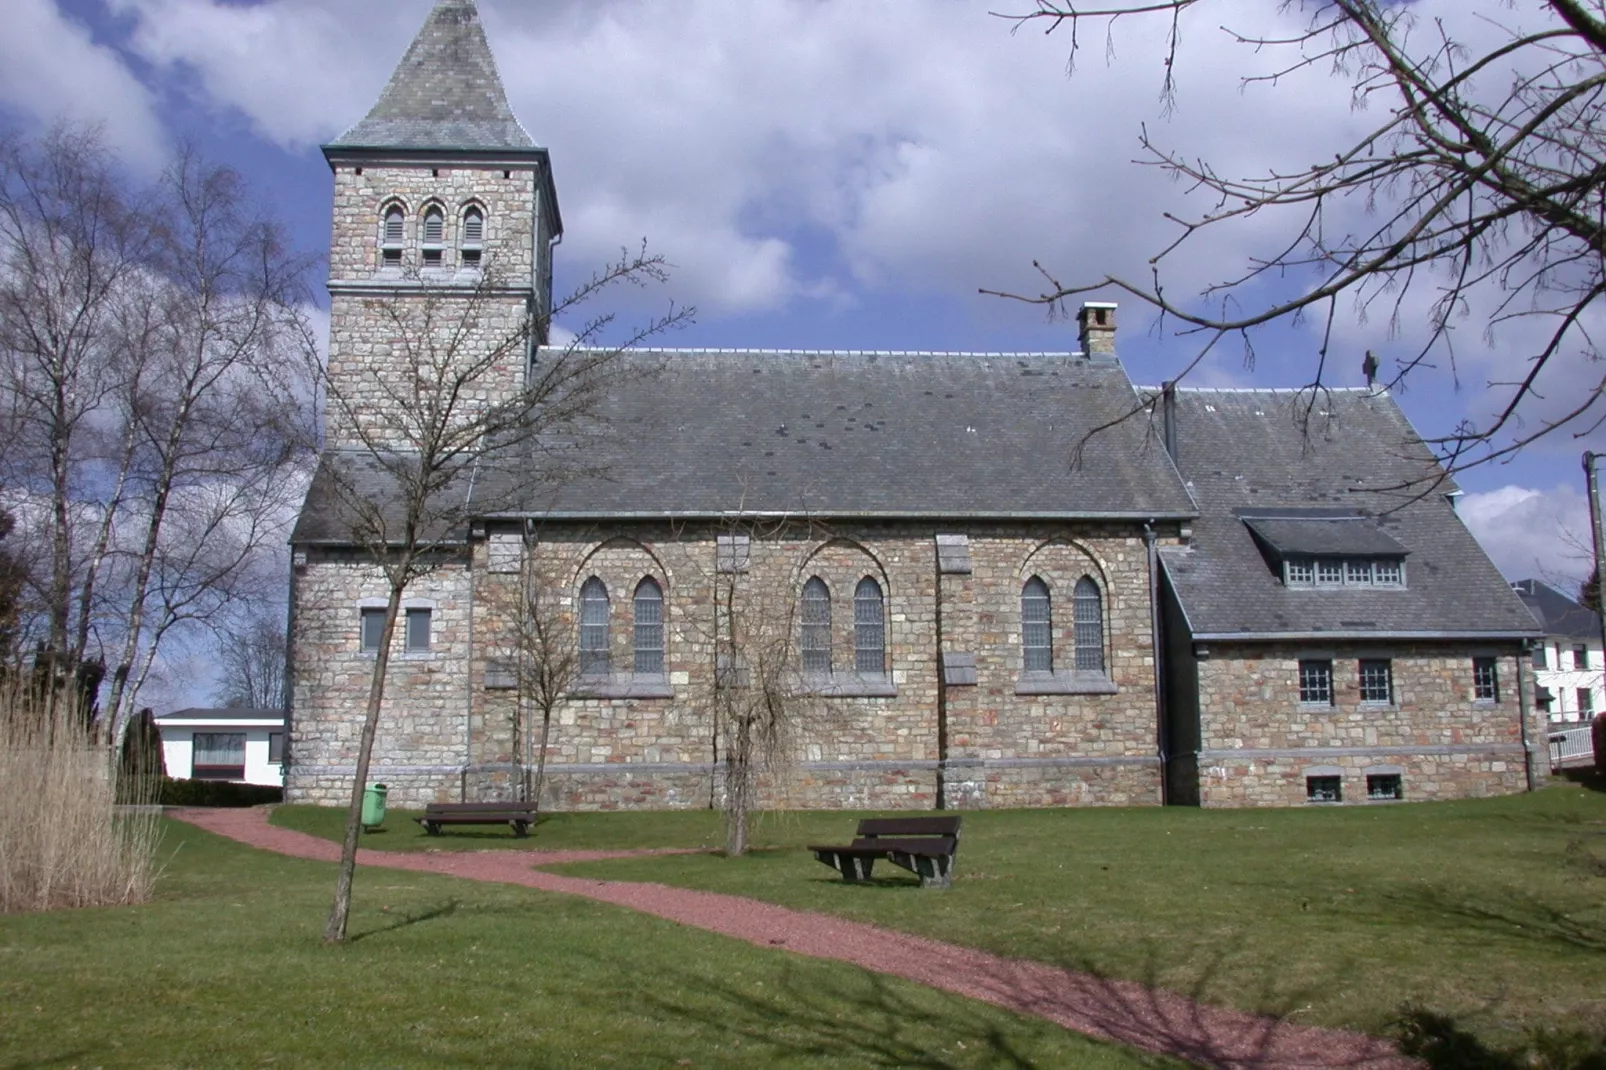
<point x="1259" y="742"/>
<point x="861" y="742"/>
<point x="388" y="324"/>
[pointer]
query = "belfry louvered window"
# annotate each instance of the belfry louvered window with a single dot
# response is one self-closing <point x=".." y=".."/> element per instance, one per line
<point x="1036" y="626"/>
<point x="393" y="234"/>
<point x="869" y="630"/>
<point x="473" y="240"/>
<point x="649" y="633"/>
<point x="1089" y="610"/>
<point x="434" y="238"/>
<point x="816" y="628"/>
<point x="594" y="628"/>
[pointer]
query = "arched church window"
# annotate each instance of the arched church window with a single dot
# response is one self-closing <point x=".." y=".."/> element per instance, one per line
<point x="869" y="631"/>
<point x="392" y="235"/>
<point x="594" y="628"/>
<point x="1036" y="626"/>
<point x="1089" y="609"/>
<point x="649" y="631"/>
<point x="434" y="238"/>
<point x="473" y="238"/>
<point x="816" y="628"/>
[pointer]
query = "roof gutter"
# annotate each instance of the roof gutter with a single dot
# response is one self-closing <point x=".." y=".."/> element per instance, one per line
<point x="1276" y="637"/>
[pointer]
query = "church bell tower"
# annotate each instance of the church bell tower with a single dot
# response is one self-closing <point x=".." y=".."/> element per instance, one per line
<point x="445" y="215"/>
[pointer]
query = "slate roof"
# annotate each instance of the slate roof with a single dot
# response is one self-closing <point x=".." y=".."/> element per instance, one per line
<point x="691" y="433"/>
<point x="1243" y="450"/>
<point x="1331" y="536"/>
<point x="1557" y="614"/>
<point x="445" y="95"/>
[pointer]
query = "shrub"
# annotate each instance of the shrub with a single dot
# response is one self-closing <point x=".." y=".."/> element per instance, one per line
<point x="217" y="793"/>
<point x="63" y="842"/>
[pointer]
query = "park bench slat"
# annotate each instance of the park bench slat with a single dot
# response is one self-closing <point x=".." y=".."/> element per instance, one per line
<point x="520" y="816"/>
<point x="923" y="845"/>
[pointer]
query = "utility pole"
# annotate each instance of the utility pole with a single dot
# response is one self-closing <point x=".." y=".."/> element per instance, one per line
<point x="1591" y="477"/>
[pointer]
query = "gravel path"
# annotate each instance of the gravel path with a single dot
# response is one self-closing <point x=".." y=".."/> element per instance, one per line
<point x="1121" y="1011"/>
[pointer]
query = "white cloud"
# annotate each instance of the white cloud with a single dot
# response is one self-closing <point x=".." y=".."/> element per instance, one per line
<point x="1530" y="533"/>
<point x="788" y="151"/>
<point x="51" y="69"/>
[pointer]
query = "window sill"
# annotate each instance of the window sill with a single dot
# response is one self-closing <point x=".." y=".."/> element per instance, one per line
<point x="1366" y="704"/>
<point x="624" y="685"/>
<point x="1064" y="682"/>
<point x="850" y="685"/>
<point x="1317" y="707"/>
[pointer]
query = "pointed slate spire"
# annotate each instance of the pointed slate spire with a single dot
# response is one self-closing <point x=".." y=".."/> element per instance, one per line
<point x="445" y="95"/>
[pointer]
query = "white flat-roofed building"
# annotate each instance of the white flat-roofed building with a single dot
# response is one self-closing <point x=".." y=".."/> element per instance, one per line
<point x="241" y="745"/>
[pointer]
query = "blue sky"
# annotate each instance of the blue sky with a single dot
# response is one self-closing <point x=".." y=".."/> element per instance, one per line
<point x="822" y="174"/>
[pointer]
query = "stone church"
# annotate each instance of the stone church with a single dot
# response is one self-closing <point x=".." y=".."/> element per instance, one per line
<point x="1242" y="597"/>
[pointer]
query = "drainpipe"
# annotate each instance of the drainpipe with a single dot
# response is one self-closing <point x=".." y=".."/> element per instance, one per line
<point x="942" y="687"/>
<point x="1522" y="723"/>
<point x="1162" y="743"/>
<point x="468" y="673"/>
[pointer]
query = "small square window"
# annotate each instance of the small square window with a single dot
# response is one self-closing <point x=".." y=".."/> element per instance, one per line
<point x="1377" y="680"/>
<point x="1580" y="657"/>
<point x="733" y="553"/>
<point x="471" y="258"/>
<point x="1384" y="786"/>
<point x="393" y="258"/>
<point x="1358" y="573"/>
<point x="1301" y="573"/>
<point x="417" y="631"/>
<point x="1485" y="680"/>
<point x="373" y="623"/>
<point x="1324" y="789"/>
<point x="1316" y="682"/>
<point x="1329" y="573"/>
<point x="432" y="258"/>
<point x="276" y="746"/>
<point x="1387" y="574"/>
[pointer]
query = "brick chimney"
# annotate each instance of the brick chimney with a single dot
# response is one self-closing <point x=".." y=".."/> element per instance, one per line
<point x="1097" y="322"/>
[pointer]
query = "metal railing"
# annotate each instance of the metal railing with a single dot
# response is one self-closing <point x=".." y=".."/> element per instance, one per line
<point x="1571" y="746"/>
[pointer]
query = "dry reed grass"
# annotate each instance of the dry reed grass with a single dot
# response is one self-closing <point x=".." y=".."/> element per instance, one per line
<point x="64" y="841"/>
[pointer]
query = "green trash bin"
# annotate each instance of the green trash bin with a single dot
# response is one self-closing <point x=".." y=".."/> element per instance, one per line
<point x="373" y="806"/>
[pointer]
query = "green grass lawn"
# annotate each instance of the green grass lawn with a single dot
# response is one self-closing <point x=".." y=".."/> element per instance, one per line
<point x="1490" y="911"/>
<point x="226" y="969"/>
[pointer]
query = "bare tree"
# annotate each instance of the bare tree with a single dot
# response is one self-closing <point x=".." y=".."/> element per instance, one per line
<point x="539" y="645"/>
<point x="1476" y="191"/>
<point x="762" y="700"/>
<point x="153" y="345"/>
<point x="251" y="656"/>
<point x="429" y="427"/>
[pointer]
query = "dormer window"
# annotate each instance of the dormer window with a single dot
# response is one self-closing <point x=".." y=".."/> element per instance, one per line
<point x="473" y="238"/>
<point x="392" y="235"/>
<point x="1326" y="548"/>
<point x="434" y="242"/>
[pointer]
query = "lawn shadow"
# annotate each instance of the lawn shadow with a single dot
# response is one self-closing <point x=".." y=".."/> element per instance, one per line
<point x="1440" y="1042"/>
<point x="1517" y="915"/>
<point x="401" y="920"/>
<point x="1587" y="778"/>
<point x="803" y="1019"/>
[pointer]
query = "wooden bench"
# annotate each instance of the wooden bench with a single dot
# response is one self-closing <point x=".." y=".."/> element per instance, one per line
<point x="924" y="846"/>
<point x="518" y="815"/>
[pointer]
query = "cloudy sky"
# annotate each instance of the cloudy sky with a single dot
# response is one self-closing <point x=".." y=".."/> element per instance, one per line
<point x="823" y="173"/>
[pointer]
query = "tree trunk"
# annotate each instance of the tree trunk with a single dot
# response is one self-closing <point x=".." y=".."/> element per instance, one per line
<point x="335" y="931"/>
<point x="540" y="759"/>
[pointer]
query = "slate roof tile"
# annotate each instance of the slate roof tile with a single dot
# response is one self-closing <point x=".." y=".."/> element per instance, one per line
<point x="446" y="93"/>
<point x="1246" y="450"/>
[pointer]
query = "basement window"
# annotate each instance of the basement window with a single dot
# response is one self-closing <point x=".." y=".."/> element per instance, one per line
<point x="1384" y="786"/>
<point x="1324" y="789"/>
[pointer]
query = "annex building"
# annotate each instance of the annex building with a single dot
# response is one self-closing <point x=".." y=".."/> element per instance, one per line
<point x="1238" y="598"/>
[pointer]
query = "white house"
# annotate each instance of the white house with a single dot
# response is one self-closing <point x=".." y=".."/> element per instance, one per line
<point x="242" y="745"/>
<point x="1569" y="668"/>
